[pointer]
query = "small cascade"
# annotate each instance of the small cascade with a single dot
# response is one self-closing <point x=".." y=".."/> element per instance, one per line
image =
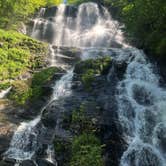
<point x="3" y="93"/>
<point x="26" y="140"/>
<point x="51" y="155"/>
<point x="141" y="112"/>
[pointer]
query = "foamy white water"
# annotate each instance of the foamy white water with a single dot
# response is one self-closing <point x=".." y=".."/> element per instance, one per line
<point x="3" y="93"/>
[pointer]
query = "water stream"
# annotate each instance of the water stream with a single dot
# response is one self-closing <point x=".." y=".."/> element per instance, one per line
<point x="140" y="99"/>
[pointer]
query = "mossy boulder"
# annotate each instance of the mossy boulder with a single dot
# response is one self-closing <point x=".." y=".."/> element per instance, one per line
<point x="62" y="149"/>
<point x="86" y="71"/>
<point x="40" y="79"/>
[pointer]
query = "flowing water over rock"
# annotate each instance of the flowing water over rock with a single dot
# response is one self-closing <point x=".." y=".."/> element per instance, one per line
<point x="90" y="31"/>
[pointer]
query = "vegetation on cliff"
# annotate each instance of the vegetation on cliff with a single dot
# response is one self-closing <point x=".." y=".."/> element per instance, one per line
<point x="19" y="55"/>
<point x="144" y="22"/>
<point x="89" y="69"/>
<point x="86" y="150"/>
<point x="12" y="12"/>
<point x="31" y="89"/>
<point x="20" y="58"/>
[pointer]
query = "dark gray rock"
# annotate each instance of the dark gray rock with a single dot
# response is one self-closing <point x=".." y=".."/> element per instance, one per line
<point x="50" y="11"/>
<point x="28" y="163"/>
<point x="43" y="162"/>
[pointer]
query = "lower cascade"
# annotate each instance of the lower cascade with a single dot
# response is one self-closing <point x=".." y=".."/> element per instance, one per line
<point x="90" y="32"/>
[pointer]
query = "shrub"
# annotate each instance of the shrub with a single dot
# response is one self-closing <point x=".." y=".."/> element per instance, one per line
<point x="87" y="70"/>
<point x="86" y="151"/>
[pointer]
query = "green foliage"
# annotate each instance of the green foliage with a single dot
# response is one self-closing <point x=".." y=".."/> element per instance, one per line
<point x="18" y="54"/>
<point x="90" y="68"/>
<point x="88" y="78"/>
<point x="86" y="151"/>
<point x="23" y="91"/>
<point x="77" y="2"/>
<point x="41" y="78"/>
<point x="145" y="22"/>
<point x="14" y="63"/>
<point x="12" y="12"/>
<point x="4" y="85"/>
<point x="53" y="2"/>
<point x="20" y="92"/>
<point x="81" y="122"/>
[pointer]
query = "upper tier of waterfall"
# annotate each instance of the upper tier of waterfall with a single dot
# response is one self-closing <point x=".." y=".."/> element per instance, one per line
<point x="86" y="26"/>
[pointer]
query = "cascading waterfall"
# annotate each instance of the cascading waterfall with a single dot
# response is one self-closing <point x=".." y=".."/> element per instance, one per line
<point x="25" y="141"/>
<point x="140" y="99"/>
<point x="141" y="104"/>
<point x="92" y="27"/>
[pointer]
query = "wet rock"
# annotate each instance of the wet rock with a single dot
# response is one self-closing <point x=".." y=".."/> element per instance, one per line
<point x="71" y="11"/>
<point x="160" y="136"/>
<point x="3" y="163"/>
<point x="50" y="11"/>
<point x="68" y="55"/>
<point x="142" y="156"/>
<point x="50" y="115"/>
<point x="28" y="163"/>
<point x="142" y="95"/>
<point x="6" y="132"/>
<point x="43" y="162"/>
<point x="119" y="68"/>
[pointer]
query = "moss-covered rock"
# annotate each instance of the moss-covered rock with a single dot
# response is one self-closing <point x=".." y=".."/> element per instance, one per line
<point x="20" y="92"/>
<point x="31" y="90"/>
<point x="62" y="149"/>
<point x="84" y="118"/>
<point x="86" y="71"/>
<point x="41" y="78"/>
<point x="86" y="151"/>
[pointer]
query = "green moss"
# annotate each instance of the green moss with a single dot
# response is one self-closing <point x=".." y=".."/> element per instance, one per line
<point x="89" y="69"/>
<point x="62" y="149"/>
<point x="88" y="78"/>
<point x="41" y="78"/>
<point x="20" y="92"/>
<point x="81" y="122"/>
<point x="18" y="55"/>
<point x="4" y="85"/>
<point x="86" y="151"/>
<point x="23" y="91"/>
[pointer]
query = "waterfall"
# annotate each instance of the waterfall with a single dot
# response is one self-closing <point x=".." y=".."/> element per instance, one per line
<point x="25" y="141"/>
<point x="92" y="27"/>
<point x="140" y="99"/>
<point x="141" y="104"/>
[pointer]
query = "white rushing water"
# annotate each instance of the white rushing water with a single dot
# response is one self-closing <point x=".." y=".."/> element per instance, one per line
<point x="90" y="28"/>
<point x="3" y="93"/>
<point x="141" y="101"/>
<point x="25" y="143"/>
<point x="141" y="109"/>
